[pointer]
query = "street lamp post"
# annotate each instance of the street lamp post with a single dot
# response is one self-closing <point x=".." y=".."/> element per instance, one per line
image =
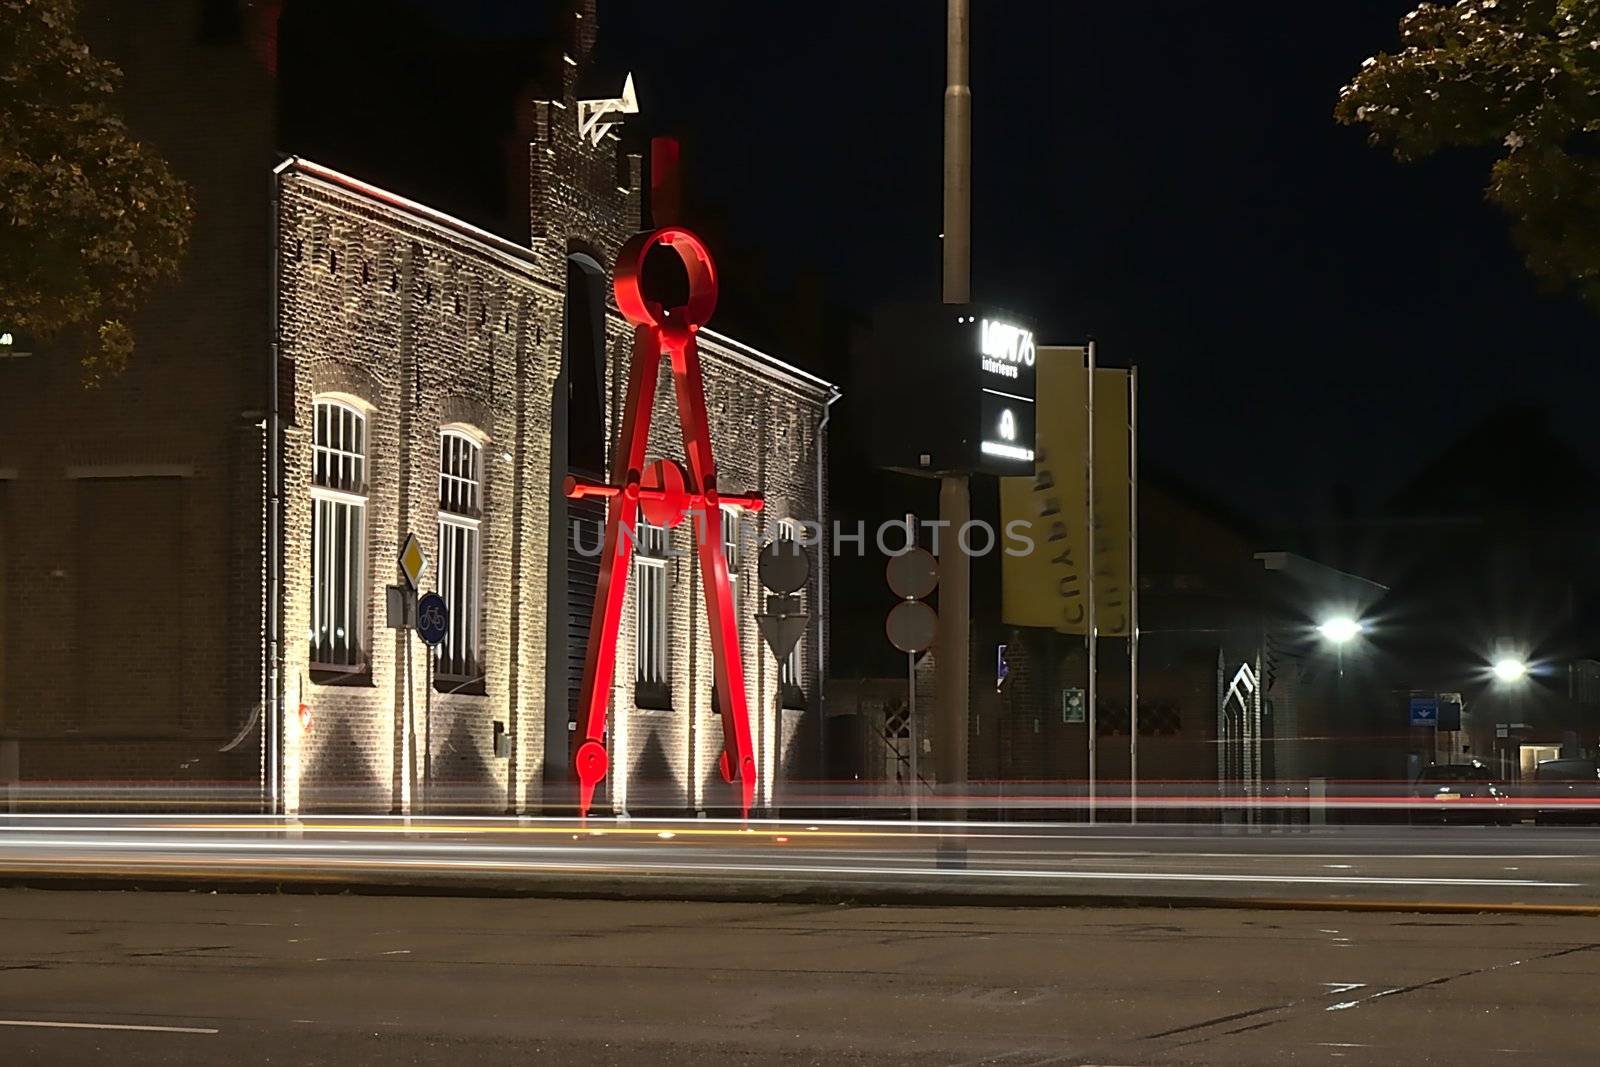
<point x="1340" y="631"/>
<point x="1508" y="668"/>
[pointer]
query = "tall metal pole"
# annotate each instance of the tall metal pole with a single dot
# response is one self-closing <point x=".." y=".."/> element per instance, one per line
<point x="911" y="702"/>
<point x="408" y="734"/>
<point x="427" y="730"/>
<point x="1093" y="635"/>
<point x="955" y="611"/>
<point x="957" y="156"/>
<point x="955" y="494"/>
<point x="1133" y="594"/>
<point x="911" y="728"/>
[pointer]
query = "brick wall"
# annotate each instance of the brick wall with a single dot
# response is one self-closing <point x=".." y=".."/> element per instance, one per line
<point x="424" y="321"/>
<point x="424" y="325"/>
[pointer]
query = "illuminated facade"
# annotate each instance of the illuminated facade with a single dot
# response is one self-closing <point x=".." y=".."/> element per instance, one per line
<point x="425" y="376"/>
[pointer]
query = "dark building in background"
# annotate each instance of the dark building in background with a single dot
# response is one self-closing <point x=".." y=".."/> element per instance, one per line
<point x="130" y="559"/>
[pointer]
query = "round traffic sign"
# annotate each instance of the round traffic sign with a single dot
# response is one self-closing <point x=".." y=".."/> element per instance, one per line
<point x="784" y="566"/>
<point x="911" y="625"/>
<point x="433" y="618"/>
<point x="913" y="573"/>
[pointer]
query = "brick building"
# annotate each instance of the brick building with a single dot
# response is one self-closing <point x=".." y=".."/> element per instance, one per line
<point x="206" y="550"/>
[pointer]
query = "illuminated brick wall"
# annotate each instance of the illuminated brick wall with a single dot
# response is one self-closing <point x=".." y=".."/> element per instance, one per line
<point x="132" y="518"/>
<point x="429" y="323"/>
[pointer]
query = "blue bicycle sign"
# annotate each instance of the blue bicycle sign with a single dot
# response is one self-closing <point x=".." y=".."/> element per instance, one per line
<point x="433" y="618"/>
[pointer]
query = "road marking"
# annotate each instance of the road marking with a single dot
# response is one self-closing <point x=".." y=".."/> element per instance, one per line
<point x="327" y="852"/>
<point x="53" y="1025"/>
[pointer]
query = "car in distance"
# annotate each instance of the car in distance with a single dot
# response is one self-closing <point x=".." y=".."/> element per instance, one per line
<point x="1566" y="791"/>
<point x="1458" y="793"/>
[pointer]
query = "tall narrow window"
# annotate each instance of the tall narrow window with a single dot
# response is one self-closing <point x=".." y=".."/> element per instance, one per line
<point x="460" y="556"/>
<point x="789" y="688"/>
<point x="650" y="605"/>
<point x="338" y="536"/>
<point x="730" y="547"/>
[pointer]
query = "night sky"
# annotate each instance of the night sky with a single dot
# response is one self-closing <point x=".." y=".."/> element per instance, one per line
<point x="1164" y="176"/>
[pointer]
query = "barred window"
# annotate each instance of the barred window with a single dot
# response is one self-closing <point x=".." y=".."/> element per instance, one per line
<point x="730" y="537"/>
<point x="789" y="671"/>
<point x="460" y="555"/>
<point x="730" y="548"/>
<point x="650" y="600"/>
<point x="338" y="536"/>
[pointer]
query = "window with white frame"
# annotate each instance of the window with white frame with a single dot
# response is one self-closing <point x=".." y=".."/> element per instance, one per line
<point x="460" y="554"/>
<point x="650" y="605"/>
<point x="338" y="536"/>
<point x="789" y="671"/>
<point x="730" y="547"/>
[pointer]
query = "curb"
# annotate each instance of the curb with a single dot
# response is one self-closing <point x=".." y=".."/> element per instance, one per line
<point x="667" y="888"/>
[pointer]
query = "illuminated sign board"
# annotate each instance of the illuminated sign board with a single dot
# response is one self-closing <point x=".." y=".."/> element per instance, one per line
<point x="951" y="388"/>
<point x="13" y="345"/>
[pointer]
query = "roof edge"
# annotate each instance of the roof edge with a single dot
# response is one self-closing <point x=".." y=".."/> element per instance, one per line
<point x="449" y="223"/>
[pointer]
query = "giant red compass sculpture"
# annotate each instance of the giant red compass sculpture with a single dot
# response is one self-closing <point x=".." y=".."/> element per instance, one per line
<point x="667" y="493"/>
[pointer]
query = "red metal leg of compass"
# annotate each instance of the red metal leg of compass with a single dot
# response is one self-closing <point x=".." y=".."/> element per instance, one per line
<point x="599" y="662"/>
<point x="728" y="664"/>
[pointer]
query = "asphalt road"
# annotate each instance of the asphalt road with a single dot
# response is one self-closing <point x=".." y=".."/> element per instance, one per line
<point x="1469" y="868"/>
<point x="201" y="978"/>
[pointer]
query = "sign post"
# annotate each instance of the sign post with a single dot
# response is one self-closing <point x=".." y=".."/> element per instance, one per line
<point x="911" y="627"/>
<point x="433" y="623"/>
<point x="784" y="568"/>
<point x="412" y="562"/>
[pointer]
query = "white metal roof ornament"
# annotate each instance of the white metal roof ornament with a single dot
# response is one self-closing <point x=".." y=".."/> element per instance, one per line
<point x="592" y="113"/>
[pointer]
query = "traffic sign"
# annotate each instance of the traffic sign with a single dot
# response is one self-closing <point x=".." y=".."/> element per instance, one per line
<point x="913" y="574"/>
<point x="1425" y="711"/>
<point x="433" y="619"/>
<point x="784" y="566"/>
<point x="911" y="625"/>
<point x="782" y="633"/>
<point x="413" y="561"/>
<point x="782" y="624"/>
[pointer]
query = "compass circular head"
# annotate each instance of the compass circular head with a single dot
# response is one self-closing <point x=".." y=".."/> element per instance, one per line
<point x="646" y="302"/>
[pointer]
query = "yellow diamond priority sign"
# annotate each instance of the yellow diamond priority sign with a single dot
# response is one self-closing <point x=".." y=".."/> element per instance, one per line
<point x="412" y="560"/>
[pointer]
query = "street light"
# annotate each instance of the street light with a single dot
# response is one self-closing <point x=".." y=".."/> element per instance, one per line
<point x="1341" y="629"/>
<point x="1510" y="669"/>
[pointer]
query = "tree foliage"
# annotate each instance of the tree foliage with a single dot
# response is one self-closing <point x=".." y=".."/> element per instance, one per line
<point x="1519" y="76"/>
<point x="91" y="219"/>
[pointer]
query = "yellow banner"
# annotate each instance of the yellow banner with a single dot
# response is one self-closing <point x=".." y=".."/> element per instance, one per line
<point x="1113" y="505"/>
<point x="1049" y="585"/>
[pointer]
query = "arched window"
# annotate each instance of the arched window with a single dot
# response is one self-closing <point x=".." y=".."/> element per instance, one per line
<point x="460" y="555"/>
<point x="338" y="536"/>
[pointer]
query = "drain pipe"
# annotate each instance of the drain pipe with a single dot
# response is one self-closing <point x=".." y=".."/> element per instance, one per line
<point x="820" y="689"/>
<point x="273" y="531"/>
